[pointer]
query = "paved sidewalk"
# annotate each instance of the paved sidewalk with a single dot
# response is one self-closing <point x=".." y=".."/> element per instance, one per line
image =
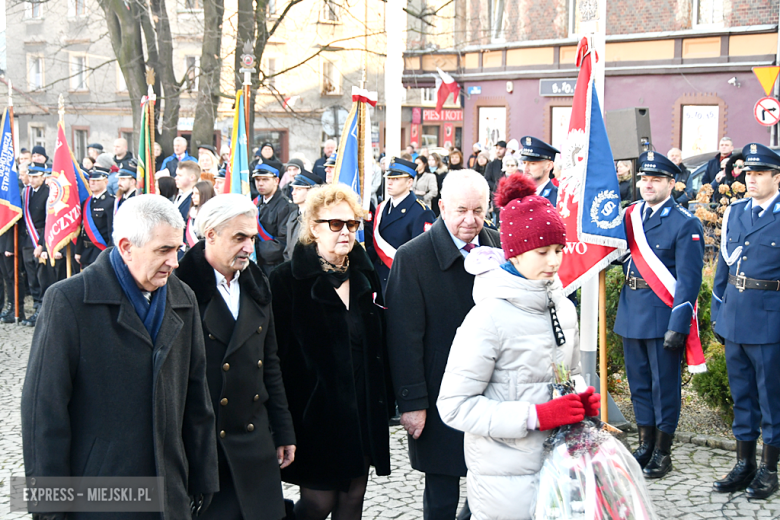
<point x="684" y="494"/>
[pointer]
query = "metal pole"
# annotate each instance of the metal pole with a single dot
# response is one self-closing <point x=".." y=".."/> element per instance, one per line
<point x="247" y="111"/>
<point x="774" y="138"/>
<point x="151" y="163"/>
<point x="68" y="266"/>
<point x="15" y="229"/>
<point x="603" y="345"/>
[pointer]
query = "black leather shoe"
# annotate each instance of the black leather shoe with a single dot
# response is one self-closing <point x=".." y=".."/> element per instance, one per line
<point x="743" y="472"/>
<point x="8" y="309"/>
<point x="765" y="481"/>
<point x="30" y="322"/>
<point x="644" y="451"/>
<point x="661" y="462"/>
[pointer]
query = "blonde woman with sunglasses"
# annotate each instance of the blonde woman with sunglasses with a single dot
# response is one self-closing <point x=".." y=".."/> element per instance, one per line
<point x="327" y="304"/>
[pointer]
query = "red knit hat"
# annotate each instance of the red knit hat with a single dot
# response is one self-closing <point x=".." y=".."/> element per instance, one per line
<point x="528" y="221"/>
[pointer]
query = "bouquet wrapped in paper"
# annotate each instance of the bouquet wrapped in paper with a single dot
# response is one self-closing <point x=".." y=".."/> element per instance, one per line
<point x="588" y="474"/>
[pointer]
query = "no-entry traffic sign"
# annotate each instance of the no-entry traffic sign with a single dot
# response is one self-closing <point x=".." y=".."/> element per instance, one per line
<point x="767" y="111"/>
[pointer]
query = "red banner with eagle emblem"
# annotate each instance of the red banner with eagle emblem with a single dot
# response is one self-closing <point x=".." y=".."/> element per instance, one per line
<point x="63" y="219"/>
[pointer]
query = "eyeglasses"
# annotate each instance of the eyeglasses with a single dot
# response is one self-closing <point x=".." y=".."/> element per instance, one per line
<point x="337" y="225"/>
<point x="738" y="165"/>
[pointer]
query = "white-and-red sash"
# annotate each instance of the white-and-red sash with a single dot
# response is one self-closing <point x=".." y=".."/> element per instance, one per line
<point x="31" y="231"/>
<point x="189" y="232"/>
<point x="662" y="283"/>
<point x="385" y="251"/>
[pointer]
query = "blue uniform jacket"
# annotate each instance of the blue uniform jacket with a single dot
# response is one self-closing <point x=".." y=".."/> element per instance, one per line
<point x="406" y="221"/>
<point x="749" y="317"/>
<point x="677" y="239"/>
<point x="550" y="192"/>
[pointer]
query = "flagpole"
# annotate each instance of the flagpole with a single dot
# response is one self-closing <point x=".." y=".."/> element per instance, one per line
<point x="68" y="266"/>
<point x="248" y="60"/>
<point x="151" y="163"/>
<point x="15" y="229"/>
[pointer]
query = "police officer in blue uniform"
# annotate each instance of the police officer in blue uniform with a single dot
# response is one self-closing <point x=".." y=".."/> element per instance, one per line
<point x="98" y="214"/>
<point x="401" y="217"/>
<point x="539" y="158"/>
<point x="654" y="334"/>
<point x="127" y="182"/>
<point x="746" y="316"/>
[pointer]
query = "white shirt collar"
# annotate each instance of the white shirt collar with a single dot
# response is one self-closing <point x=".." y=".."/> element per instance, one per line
<point x="397" y="200"/>
<point x="221" y="280"/>
<point x="540" y="189"/>
<point x="657" y="206"/>
<point x="766" y="205"/>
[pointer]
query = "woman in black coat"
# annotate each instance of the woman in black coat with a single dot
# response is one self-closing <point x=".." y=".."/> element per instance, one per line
<point x="330" y="331"/>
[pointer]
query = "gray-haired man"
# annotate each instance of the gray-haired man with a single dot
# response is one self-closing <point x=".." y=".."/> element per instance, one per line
<point x="116" y="381"/>
<point x="255" y="431"/>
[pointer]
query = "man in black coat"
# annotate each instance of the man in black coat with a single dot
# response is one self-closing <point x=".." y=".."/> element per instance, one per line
<point x="98" y="220"/>
<point x="428" y="296"/>
<point x="725" y="147"/>
<point x="273" y="212"/>
<point x="116" y="382"/>
<point x="34" y="199"/>
<point x="255" y="435"/>
<point x="495" y="168"/>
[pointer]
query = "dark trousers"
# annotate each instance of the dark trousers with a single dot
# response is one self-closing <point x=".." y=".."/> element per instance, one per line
<point x="31" y="267"/>
<point x="440" y="498"/>
<point x="755" y="388"/>
<point x="655" y="381"/>
<point x="49" y="274"/>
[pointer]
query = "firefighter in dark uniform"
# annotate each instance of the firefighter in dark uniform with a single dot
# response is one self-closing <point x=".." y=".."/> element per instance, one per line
<point x="654" y="334"/>
<point x="746" y="317"/>
<point x="98" y="220"/>
<point x="273" y="212"/>
<point x="538" y="158"/>
<point x="398" y="219"/>
<point x="34" y="199"/>
<point x="127" y="180"/>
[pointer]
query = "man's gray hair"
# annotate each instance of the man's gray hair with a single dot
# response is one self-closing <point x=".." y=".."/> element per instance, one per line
<point x="220" y="209"/>
<point x="459" y="181"/>
<point x="139" y="215"/>
<point x="179" y="139"/>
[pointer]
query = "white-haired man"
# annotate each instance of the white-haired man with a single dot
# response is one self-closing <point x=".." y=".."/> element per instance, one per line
<point x="171" y="163"/>
<point x="255" y="431"/>
<point x="428" y="296"/>
<point x="116" y="380"/>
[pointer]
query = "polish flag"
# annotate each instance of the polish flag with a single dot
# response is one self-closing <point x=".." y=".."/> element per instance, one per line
<point x="289" y="102"/>
<point x="445" y="86"/>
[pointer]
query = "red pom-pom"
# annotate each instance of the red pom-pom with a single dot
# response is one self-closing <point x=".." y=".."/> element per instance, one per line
<point x="513" y="187"/>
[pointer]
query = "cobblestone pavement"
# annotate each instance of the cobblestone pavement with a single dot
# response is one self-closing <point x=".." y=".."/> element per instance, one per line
<point x="684" y="494"/>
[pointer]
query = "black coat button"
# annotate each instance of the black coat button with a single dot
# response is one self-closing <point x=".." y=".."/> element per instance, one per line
<point x="405" y="392"/>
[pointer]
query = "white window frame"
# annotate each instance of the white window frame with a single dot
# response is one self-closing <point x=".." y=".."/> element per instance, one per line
<point x="330" y="12"/>
<point x="336" y="91"/>
<point x="35" y="141"/>
<point x="196" y="73"/>
<point x="30" y="58"/>
<point x="77" y="148"/>
<point x="428" y="96"/>
<point x="73" y="12"/>
<point x="77" y="85"/>
<point x="696" y="24"/>
<point x="274" y="82"/>
<point x="496" y="22"/>
<point x="28" y="10"/>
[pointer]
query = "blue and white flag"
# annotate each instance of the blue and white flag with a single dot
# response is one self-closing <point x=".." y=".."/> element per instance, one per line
<point x="10" y="197"/>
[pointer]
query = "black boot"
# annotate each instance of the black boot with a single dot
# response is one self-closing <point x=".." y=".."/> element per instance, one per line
<point x="743" y="472"/>
<point x="30" y="322"/>
<point x="8" y="309"/>
<point x="765" y="481"/>
<point x="11" y="316"/>
<point x="661" y="462"/>
<point x="644" y="451"/>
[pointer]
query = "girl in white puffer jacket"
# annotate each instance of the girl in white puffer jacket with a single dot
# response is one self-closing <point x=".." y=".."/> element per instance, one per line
<point x="496" y="387"/>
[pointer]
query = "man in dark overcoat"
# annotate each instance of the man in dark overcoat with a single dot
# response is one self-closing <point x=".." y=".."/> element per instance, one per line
<point x="116" y="380"/>
<point x="273" y="212"/>
<point x="428" y="296"/>
<point x="254" y="429"/>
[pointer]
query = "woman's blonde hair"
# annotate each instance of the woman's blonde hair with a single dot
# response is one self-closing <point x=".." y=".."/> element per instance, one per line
<point x="627" y="175"/>
<point x="323" y="197"/>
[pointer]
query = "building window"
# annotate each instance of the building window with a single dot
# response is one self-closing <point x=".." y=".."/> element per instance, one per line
<point x="496" y="12"/>
<point x="330" y="11"/>
<point x="559" y="130"/>
<point x="33" y="10"/>
<point x="193" y="5"/>
<point x="127" y="133"/>
<point x="192" y="66"/>
<point x="35" y="72"/>
<point x="331" y="79"/>
<point x="77" y="8"/>
<point x="277" y="138"/>
<point x="78" y="72"/>
<point x="270" y="8"/>
<point x="428" y="95"/>
<point x="80" y="138"/>
<point x="430" y="136"/>
<point x="37" y="136"/>
<point x="271" y="69"/>
<point x="700" y="130"/>
<point x="708" y="12"/>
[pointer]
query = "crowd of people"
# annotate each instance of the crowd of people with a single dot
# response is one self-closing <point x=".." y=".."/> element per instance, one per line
<point x="229" y="343"/>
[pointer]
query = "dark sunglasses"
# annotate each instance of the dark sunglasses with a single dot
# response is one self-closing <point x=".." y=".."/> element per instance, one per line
<point x="337" y="225"/>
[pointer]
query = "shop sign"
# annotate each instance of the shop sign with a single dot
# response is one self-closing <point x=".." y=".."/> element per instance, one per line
<point x="445" y="115"/>
<point x="557" y="87"/>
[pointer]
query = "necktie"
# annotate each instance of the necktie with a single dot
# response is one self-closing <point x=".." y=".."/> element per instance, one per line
<point x="468" y="247"/>
<point x="755" y="212"/>
<point x="648" y="213"/>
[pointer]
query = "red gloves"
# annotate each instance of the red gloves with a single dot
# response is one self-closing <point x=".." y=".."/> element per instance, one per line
<point x="560" y="412"/>
<point x="591" y="401"/>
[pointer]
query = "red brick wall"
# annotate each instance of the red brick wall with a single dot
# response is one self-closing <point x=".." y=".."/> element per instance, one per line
<point x="630" y="16"/>
<point x="751" y="12"/>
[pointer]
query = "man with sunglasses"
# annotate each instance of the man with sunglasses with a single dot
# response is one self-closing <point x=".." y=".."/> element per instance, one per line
<point x="273" y="212"/>
<point x="398" y="219"/>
